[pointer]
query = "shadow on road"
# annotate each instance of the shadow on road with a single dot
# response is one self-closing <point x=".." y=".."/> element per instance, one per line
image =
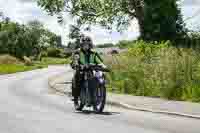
<point x="65" y="83"/>
<point x="89" y="112"/>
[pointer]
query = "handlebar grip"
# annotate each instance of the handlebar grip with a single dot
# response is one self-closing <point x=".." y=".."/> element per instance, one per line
<point x="92" y="67"/>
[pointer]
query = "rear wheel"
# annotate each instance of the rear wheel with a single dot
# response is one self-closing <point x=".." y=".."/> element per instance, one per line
<point x="78" y="104"/>
<point x="100" y="99"/>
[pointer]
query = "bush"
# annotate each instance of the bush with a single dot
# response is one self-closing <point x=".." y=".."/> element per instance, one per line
<point x="67" y="53"/>
<point x="8" y="59"/>
<point x="125" y="44"/>
<point x="54" y="61"/>
<point x="158" y="70"/>
<point x="192" y="92"/>
<point x="41" y="55"/>
<point x="27" y="61"/>
<point x="55" y="52"/>
<point x="44" y="54"/>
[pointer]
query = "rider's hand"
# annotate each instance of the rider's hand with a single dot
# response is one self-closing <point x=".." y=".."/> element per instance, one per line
<point x="82" y="67"/>
<point x="103" y="65"/>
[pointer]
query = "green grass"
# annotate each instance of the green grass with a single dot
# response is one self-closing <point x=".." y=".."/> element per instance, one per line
<point x="13" y="68"/>
<point x="21" y="67"/>
<point x="53" y="61"/>
<point x="156" y="71"/>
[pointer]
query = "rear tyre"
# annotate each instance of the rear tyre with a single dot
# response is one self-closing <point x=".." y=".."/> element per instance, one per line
<point x="78" y="104"/>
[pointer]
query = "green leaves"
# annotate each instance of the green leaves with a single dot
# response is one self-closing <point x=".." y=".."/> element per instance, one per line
<point x="106" y="13"/>
<point x="21" y="40"/>
<point x="158" y="20"/>
<point x="52" y="6"/>
<point x="163" y="20"/>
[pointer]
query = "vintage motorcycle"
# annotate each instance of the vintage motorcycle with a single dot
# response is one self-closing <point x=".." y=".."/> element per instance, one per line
<point x="93" y="90"/>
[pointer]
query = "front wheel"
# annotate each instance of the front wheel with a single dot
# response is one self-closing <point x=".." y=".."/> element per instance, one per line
<point x="100" y="99"/>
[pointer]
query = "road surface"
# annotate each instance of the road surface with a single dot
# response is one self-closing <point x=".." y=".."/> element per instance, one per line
<point x="28" y="107"/>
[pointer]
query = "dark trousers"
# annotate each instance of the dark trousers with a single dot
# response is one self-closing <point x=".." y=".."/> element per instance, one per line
<point x="78" y="83"/>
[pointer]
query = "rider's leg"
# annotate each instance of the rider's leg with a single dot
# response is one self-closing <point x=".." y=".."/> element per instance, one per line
<point x="76" y="85"/>
<point x="92" y="87"/>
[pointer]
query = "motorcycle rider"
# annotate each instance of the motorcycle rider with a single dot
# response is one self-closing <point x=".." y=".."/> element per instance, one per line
<point x="83" y="56"/>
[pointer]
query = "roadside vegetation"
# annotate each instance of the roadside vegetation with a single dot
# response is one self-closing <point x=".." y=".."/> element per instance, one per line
<point x="28" y="47"/>
<point x="156" y="70"/>
<point x="153" y="67"/>
<point x="10" y="64"/>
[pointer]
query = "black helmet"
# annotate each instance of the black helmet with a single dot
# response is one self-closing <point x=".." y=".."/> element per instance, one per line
<point x="86" y="40"/>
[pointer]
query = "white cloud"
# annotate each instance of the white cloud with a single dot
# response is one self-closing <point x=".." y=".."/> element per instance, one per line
<point x="22" y="12"/>
<point x="190" y="2"/>
<point x="100" y="35"/>
<point x="191" y="16"/>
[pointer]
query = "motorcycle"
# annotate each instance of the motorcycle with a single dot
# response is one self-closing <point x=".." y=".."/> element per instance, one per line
<point x="93" y="90"/>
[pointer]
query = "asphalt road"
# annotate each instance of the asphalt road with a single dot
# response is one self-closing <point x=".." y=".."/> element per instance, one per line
<point x="26" y="106"/>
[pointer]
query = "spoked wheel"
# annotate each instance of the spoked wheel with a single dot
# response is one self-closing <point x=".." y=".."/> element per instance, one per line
<point x="78" y="104"/>
<point x="100" y="99"/>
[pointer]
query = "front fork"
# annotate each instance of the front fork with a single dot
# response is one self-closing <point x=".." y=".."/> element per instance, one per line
<point x="88" y="94"/>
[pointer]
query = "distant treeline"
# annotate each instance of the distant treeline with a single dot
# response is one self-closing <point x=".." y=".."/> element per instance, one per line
<point x="25" y="40"/>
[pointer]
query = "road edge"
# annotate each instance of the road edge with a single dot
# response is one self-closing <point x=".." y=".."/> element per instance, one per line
<point x="127" y="106"/>
<point x="52" y="86"/>
<point x="130" y="107"/>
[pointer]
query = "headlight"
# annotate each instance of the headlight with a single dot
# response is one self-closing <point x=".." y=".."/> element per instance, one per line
<point x="99" y="74"/>
<point x="76" y="57"/>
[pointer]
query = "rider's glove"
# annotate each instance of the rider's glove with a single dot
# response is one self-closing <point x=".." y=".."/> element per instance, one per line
<point x="103" y="65"/>
<point x="81" y="67"/>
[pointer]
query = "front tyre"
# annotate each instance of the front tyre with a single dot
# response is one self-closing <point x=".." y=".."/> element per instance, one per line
<point x="100" y="99"/>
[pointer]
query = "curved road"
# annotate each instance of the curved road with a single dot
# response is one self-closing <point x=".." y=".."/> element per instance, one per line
<point x="28" y="107"/>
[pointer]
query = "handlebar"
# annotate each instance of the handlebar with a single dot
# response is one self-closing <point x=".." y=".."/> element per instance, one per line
<point x="93" y="67"/>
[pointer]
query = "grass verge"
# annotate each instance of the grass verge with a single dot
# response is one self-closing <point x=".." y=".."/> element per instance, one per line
<point x="21" y="67"/>
<point x="13" y="68"/>
<point x="156" y="71"/>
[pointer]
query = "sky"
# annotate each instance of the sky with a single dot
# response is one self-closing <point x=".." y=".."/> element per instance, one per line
<point x="23" y="11"/>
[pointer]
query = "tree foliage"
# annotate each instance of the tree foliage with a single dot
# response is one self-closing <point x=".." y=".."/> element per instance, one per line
<point x="158" y="20"/>
<point x="163" y="20"/>
<point x="105" y="45"/>
<point x="24" y="40"/>
<point x="75" y="36"/>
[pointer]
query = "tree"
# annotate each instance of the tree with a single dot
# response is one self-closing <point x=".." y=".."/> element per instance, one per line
<point x="59" y="41"/>
<point x="26" y="40"/>
<point x="3" y="19"/>
<point x="106" y="45"/>
<point x="75" y="35"/>
<point x="1" y="16"/>
<point x="75" y="32"/>
<point x="163" y="20"/>
<point x="125" y="43"/>
<point x="36" y="27"/>
<point x="154" y="16"/>
<point x="35" y="24"/>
